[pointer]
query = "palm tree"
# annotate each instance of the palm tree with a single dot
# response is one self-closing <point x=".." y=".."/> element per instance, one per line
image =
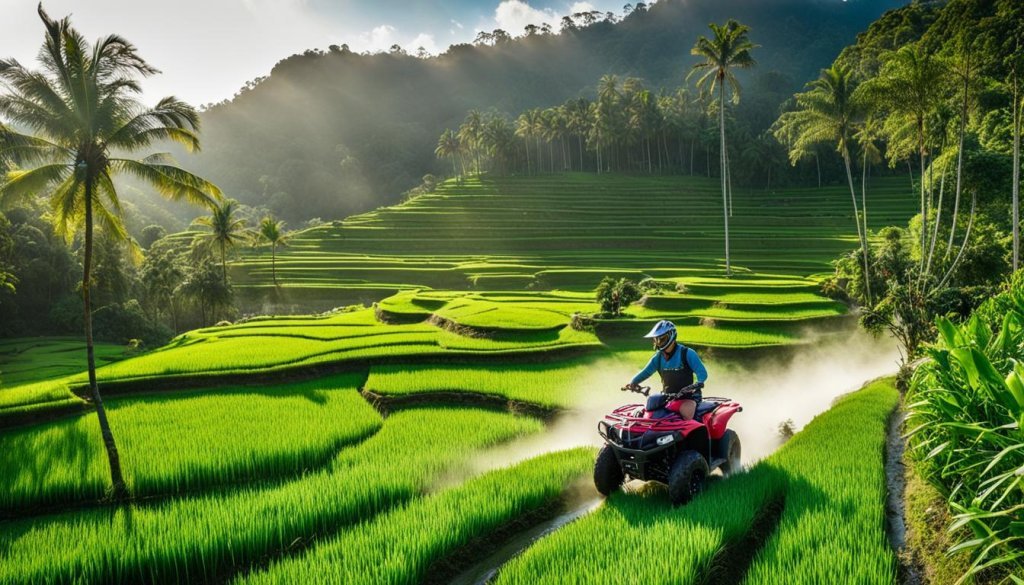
<point x="728" y="50"/>
<point x="578" y="114"/>
<point x="272" y="232"/>
<point x="829" y="113"/>
<point x="226" y="231"/>
<point x="448" y="146"/>
<point x="868" y="135"/>
<point x="524" y="130"/>
<point x="911" y="84"/>
<point x="471" y="133"/>
<point x="83" y="112"/>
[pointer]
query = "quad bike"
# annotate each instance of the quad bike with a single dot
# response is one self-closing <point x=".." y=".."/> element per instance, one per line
<point x="653" y="443"/>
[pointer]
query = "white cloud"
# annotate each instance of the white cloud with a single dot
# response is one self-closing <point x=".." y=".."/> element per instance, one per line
<point x="512" y="16"/>
<point x="581" y="7"/>
<point x="423" y="40"/>
<point x="379" y="39"/>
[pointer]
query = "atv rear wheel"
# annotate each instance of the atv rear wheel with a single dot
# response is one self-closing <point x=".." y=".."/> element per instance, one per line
<point x="730" y="450"/>
<point x="687" y="477"/>
<point x="608" y="475"/>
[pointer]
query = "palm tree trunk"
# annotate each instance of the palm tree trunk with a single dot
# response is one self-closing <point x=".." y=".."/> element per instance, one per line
<point x="924" y="210"/>
<point x="959" y="157"/>
<point x="120" y="490"/>
<point x="579" y="142"/>
<point x="728" y="179"/>
<point x="938" y="219"/>
<point x="725" y="197"/>
<point x="817" y="163"/>
<point x="224" y="262"/>
<point x="1016" y="175"/>
<point x="691" y="156"/>
<point x="860" y="233"/>
<point x="273" y="262"/>
<point x="864" y="194"/>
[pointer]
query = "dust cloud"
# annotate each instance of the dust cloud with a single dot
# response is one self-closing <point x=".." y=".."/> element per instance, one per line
<point x="792" y="388"/>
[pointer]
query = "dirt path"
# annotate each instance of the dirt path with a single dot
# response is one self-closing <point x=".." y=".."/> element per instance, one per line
<point x="895" y="480"/>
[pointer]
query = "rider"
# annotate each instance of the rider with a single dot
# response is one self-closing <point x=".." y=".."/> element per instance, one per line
<point x="677" y="365"/>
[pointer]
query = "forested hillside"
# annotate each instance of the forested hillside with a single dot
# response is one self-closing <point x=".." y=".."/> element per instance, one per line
<point x="332" y="132"/>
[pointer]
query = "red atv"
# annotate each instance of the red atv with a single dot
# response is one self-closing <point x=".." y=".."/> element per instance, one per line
<point x="653" y="443"/>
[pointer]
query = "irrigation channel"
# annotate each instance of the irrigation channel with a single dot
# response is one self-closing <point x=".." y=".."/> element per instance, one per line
<point x="792" y="390"/>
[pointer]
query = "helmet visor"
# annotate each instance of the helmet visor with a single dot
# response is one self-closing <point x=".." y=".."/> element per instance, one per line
<point x="662" y="341"/>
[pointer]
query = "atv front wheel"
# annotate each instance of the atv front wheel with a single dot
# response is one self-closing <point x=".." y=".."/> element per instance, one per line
<point x="730" y="450"/>
<point x="608" y="475"/>
<point x="686" y="478"/>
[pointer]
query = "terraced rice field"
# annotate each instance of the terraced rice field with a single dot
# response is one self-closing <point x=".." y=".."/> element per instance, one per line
<point x="566" y="232"/>
<point x="44" y="358"/>
<point x="391" y="443"/>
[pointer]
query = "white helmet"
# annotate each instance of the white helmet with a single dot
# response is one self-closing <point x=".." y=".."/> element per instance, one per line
<point x="663" y="334"/>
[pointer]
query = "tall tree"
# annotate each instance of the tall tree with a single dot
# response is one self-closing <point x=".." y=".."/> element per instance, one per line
<point x="225" y="231"/>
<point x="83" y="110"/>
<point x="910" y="85"/>
<point x="729" y="49"/>
<point x="829" y="112"/>
<point x="448" y="146"/>
<point x="272" y="232"/>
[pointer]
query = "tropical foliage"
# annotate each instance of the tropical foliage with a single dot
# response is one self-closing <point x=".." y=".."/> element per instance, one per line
<point x="966" y="404"/>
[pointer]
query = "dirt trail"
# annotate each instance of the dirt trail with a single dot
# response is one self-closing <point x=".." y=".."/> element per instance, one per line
<point x="895" y="481"/>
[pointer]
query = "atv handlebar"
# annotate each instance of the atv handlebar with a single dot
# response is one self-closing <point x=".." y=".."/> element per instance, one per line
<point x="645" y="390"/>
<point x="688" y="391"/>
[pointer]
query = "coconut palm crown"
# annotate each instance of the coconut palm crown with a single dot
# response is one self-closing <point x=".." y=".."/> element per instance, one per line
<point x="70" y="128"/>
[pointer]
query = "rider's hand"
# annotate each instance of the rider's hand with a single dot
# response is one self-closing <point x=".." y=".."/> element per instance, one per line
<point x="630" y="387"/>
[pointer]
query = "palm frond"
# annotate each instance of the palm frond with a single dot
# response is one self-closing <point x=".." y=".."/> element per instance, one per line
<point x="172" y="182"/>
<point x="22" y="184"/>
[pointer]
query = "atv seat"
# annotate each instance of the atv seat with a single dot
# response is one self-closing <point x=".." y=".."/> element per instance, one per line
<point x="704" y="407"/>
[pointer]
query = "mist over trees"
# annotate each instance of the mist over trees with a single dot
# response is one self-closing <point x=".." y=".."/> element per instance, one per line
<point x="332" y="132"/>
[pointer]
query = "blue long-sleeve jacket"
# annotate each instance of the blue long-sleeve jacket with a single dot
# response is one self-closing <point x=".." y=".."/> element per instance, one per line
<point x="659" y="361"/>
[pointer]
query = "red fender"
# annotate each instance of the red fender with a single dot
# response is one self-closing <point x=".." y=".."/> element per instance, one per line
<point x="720" y="419"/>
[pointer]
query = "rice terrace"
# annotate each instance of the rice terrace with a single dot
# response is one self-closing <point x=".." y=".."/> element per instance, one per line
<point x="686" y="292"/>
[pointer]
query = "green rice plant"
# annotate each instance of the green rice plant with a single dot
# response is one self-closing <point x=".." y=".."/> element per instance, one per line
<point x="184" y="442"/>
<point x="210" y="537"/>
<point x="37" y="359"/>
<point x="35" y="393"/>
<point x="966" y="408"/>
<point x="266" y="347"/>
<point x="400" y="546"/>
<point x="554" y="384"/>
<point x="642" y="539"/>
<point x="833" y="527"/>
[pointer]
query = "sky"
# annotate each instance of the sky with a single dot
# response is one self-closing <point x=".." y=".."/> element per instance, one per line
<point x="207" y="49"/>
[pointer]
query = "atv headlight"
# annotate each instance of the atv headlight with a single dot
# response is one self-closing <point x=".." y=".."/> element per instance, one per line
<point x="666" y="439"/>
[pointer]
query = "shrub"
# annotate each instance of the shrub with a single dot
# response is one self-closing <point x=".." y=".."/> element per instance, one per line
<point x="614" y="295"/>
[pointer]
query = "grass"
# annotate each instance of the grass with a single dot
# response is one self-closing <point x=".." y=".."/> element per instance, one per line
<point x="36" y="359"/>
<point x="642" y="539"/>
<point x="185" y="442"/>
<point x="555" y="384"/>
<point x="273" y="345"/>
<point x="833" y="526"/>
<point x="400" y="546"/>
<point x="205" y="538"/>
